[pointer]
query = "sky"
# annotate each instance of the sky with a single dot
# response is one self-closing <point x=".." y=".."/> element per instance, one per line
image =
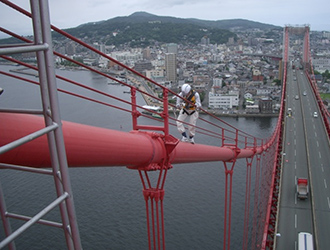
<point x="71" y="13"/>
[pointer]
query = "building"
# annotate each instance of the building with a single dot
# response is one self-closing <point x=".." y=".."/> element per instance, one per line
<point x="217" y="82"/>
<point x="252" y="109"/>
<point x="142" y="66"/>
<point x="223" y="101"/>
<point x="171" y="67"/>
<point x="231" y="41"/>
<point x="266" y="105"/>
<point x="205" y="40"/>
<point x="127" y="57"/>
<point x="201" y="81"/>
<point x="190" y="65"/>
<point x="321" y="64"/>
<point x="155" y="74"/>
<point x="326" y="34"/>
<point x="257" y="76"/>
<point x="264" y="91"/>
<point x="172" y="48"/>
<point x="248" y="95"/>
<point x="146" y="53"/>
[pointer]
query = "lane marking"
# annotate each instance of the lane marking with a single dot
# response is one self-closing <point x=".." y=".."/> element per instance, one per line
<point x="328" y="202"/>
<point x="320" y="155"/>
<point x="317" y="143"/>
<point x="325" y="183"/>
<point x="295" y="218"/>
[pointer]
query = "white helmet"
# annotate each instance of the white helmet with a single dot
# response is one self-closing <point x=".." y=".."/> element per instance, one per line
<point x="185" y="89"/>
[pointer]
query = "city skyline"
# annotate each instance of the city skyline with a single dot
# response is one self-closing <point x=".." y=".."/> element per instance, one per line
<point x="69" y="14"/>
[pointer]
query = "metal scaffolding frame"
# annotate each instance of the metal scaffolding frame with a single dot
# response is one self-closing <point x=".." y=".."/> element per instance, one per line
<point x="53" y="129"/>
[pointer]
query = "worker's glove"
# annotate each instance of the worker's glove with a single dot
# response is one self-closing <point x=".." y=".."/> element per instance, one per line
<point x="180" y="106"/>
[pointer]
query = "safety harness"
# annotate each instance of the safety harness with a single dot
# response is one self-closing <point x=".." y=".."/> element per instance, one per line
<point x="188" y="106"/>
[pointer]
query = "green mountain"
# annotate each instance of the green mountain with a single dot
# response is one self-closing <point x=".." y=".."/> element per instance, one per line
<point x="142" y="29"/>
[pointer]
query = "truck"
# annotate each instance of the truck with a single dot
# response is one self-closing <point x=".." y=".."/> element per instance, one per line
<point x="305" y="241"/>
<point x="302" y="188"/>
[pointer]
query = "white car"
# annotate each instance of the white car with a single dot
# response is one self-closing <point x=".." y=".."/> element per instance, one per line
<point x="315" y="114"/>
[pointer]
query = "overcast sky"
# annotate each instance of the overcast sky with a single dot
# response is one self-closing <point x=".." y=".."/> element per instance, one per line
<point x="71" y="13"/>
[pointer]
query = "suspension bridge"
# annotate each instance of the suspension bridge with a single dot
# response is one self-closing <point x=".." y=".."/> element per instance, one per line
<point x="39" y="141"/>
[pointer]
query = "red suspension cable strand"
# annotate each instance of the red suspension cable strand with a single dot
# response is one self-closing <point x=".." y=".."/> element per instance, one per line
<point x="155" y="196"/>
<point x="229" y="171"/>
<point x="106" y="147"/>
<point x="247" y="201"/>
<point x="256" y="203"/>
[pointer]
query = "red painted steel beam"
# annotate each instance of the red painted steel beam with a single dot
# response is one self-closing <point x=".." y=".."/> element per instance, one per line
<point x="88" y="146"/>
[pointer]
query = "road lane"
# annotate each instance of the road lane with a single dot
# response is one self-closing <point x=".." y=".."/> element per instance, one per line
<point x="319" y="160"/>
<point x="294" y="215"/>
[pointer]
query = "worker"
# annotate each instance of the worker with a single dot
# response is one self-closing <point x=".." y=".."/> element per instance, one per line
<point x="189" y="106"/>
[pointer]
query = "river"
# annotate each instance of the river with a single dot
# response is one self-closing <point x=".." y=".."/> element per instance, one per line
<point x="109" y="203"/>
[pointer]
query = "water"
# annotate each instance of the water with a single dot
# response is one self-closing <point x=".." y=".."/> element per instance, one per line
<point x="109" y="202"/>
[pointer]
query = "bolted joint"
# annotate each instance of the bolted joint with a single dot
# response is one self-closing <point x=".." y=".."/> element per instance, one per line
<point x="146" y="194"/>
<point x="136" y="113"/>
<point x="229" y="171"/>
<point x="153" y="193"/>
<point x="170" y="143"/>
<point x="160" y="146"/>
<point x="236" y="151"/>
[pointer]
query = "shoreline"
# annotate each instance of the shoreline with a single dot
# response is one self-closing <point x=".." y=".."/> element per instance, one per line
<point x="241" y="115"/>
<point x="149" y="101"/>
<point x="236" y="115"/>
<point x="218" y="113"/>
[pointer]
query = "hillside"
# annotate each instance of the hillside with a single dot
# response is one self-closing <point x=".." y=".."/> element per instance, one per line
<point x="142" y="29"/>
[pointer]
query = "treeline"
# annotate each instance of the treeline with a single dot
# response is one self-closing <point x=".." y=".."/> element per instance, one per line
<point x="168" y="33"/>
<point x="325" y="75"/>
<point x="144" y="34"/>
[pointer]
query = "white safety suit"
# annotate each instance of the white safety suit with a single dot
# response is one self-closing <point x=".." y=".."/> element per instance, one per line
<point x="189" y="107"/>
